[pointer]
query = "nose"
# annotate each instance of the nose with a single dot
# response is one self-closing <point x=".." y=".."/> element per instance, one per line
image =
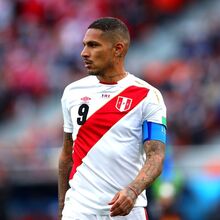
<point x="84" y="52"/>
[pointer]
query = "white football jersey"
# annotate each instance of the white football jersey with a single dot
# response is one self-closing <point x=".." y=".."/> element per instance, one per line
<point x="106" y="125"/>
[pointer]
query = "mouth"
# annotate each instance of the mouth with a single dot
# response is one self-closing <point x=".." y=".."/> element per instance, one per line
<point x="87" y="63"/>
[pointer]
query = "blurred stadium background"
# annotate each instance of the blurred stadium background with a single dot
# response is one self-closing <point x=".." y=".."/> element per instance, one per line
<point x="175" y="46"/>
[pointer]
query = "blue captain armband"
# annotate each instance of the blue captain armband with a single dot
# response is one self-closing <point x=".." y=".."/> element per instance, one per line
<point x="154" y="131"/>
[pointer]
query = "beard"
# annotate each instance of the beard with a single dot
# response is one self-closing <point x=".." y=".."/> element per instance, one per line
<point x="96" y="72"/>
<point x="93" y="73"/>
<point x="99" y="71"/>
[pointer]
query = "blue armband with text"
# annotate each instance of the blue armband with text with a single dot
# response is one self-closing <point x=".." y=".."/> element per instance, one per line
<point x="154" y="131"/>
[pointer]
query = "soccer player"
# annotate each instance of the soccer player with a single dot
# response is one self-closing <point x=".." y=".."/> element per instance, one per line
<point x="114" y="133"/>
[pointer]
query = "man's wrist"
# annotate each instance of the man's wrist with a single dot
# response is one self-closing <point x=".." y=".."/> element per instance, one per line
<point x="133" y="190"/>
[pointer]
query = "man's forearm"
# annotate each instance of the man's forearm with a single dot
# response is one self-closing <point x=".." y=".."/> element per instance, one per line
<point x="152" y="167"/>
<point x="63" y="181"/>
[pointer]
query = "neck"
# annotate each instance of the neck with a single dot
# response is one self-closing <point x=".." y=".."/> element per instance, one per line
<point x="113" y="77"/>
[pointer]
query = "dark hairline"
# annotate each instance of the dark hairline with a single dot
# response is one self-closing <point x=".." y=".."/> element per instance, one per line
<point x="114" y="26"/>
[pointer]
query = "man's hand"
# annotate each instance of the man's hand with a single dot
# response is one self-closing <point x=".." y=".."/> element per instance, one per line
<point x="123" y="202"/>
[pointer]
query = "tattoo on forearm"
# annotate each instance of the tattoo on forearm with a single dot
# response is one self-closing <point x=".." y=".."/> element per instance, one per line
<point x="68" y="141"/>
<point x="152" y="167"/>
<point x="65" y="166"/>
<point x="64" y="171"/>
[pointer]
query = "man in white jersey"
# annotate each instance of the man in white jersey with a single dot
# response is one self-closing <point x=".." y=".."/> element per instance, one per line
<point x="114" y="133"/>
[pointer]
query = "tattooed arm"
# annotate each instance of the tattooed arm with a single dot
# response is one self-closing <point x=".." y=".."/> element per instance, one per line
<point x="155" y="152"/>
<point x="65" y="165"/>
<point x="124" y="201"/>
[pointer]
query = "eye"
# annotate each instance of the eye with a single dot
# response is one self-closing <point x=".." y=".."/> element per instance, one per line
<point x="93" y="44"/>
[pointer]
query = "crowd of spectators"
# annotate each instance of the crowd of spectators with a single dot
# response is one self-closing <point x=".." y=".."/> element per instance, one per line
<point x="41" y="40"/>
<point x="190" y="84"/>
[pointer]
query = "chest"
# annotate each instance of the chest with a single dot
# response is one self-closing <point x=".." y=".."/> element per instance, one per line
<point x="105" y="108"/>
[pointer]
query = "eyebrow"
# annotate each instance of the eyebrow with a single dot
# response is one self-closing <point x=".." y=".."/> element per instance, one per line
<point x="91" y="42"/>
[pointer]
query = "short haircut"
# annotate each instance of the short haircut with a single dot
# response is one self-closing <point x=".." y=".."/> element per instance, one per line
<point x="114" y="26"/>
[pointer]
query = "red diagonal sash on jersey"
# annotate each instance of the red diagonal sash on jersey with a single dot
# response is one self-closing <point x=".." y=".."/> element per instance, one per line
<point x="103" y="119"/>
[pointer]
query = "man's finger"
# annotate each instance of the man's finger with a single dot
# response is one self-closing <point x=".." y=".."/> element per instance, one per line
<point x="114" y="199"/>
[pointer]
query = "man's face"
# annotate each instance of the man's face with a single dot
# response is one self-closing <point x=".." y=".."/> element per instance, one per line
<point x="98" y="52"/>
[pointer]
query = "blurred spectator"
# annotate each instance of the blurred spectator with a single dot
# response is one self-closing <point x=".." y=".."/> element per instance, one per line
<point x="191" y="85"/>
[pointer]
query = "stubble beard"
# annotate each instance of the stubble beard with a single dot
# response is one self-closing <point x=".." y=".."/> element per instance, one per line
<point x="94" y="73"/>
<point x="100" y="72"/>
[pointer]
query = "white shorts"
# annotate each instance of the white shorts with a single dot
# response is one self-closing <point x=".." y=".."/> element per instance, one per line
<point x="138" y="213"/>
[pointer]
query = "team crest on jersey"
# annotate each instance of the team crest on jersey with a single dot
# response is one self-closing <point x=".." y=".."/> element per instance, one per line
<point x="123" y="103"/>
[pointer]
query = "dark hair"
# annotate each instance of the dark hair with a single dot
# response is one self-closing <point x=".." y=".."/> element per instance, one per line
<point x="113" y="25"/>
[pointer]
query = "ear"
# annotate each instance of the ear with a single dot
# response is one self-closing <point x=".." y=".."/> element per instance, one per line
<point x="119" y="49"/>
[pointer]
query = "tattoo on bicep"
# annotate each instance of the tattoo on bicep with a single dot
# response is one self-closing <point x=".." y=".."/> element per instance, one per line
<point x="154" y="148"/>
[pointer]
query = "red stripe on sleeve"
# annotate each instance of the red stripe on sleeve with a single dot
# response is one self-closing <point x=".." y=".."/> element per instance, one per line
<point x="103" y="119"/>
<point x="145" y="210"/>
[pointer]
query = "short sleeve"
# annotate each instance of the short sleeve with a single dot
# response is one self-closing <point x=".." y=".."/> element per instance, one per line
<point x="154" y="108"/>
<point x="67" y="121"/>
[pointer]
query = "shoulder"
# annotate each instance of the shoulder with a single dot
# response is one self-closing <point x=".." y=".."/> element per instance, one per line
<point x="142" y="83"/>
<point x="153" y="92"/>
<point x="77" y="85"/>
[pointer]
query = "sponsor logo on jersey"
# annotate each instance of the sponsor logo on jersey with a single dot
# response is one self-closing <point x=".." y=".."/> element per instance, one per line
<point x="105" y="95"/>
<point x="123" y="103"/>
<point x="85" y="99"/>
